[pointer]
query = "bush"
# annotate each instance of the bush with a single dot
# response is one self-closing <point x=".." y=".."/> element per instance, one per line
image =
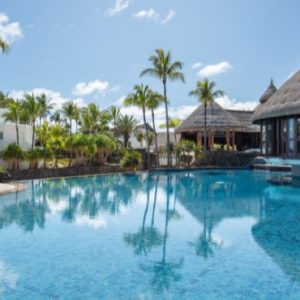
<point x="185" y="150"/>
<point x="131" y="160"/>
<point x="13" y="155"/>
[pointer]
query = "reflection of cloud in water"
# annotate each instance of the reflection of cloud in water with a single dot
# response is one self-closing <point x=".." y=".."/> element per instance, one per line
<point x="94" y="223"/>
<point x="55" y="207"/>
<point x="8" y="278"/>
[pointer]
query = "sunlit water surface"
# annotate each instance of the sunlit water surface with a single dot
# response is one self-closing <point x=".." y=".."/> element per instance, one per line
<point x="177" y="235"/>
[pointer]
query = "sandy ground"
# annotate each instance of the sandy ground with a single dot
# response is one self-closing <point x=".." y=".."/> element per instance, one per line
<point x="6" y="188"/>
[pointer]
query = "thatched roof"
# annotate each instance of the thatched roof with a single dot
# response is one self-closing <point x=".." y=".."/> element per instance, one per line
<point x="270" y="91"/>
<point x="285" y="102"/>
<point x="218" y="119"/>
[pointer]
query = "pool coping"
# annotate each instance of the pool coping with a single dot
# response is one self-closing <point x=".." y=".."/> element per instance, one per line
<point x="12" y="187"/>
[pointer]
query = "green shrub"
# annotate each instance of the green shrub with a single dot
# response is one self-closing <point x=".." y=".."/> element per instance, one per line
<point x="13" y="155"/>
<point x="131" y="160"/>
<point x="33" y="156"/>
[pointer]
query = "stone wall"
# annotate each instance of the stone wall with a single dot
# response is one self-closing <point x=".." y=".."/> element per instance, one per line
<point x="59" y="172"/>
<point x="226" y="159"/>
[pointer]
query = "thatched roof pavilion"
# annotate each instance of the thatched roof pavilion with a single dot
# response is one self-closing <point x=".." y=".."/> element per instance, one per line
<point x="284" y="102"/>
<point x="223" y="126"/>
<point x="279" y="117"/>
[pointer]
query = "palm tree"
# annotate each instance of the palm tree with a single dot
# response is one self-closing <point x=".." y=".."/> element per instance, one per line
<point x="13" y="114"/>
<point x="164" y="69"/>
<point x="125" y="126"/>
<point x="206" y="93"/>
<point x="56" y="118"/>
<point x="173" y="123"/>
<point x="68" y="110"/>
<point x="91" y="116"/>
<point x="140" y="98"/>
<point x="114" y="114"/>
<point x="45" y="106"/>
<point x="31" y="108"/>
<point x="4" y="46"/>
<point x="155" y="99"/>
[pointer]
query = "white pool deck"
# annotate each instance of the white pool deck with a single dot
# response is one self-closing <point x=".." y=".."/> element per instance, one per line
<point x="12" y="187"/>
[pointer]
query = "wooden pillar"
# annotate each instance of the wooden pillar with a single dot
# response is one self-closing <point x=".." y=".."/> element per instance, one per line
<point x="227" y="139"/>
<point x="199" y="138"/>
<point x="209" y="139"/>
<point x="213" y="138"/>
<point x="233" y="138"/>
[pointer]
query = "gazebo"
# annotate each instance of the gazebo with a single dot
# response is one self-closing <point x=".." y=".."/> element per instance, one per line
<point x="226" y="127"/>
<point x="279" y="118"/>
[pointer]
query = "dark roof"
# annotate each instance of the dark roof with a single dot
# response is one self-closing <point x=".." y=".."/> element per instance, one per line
<point x="285" y="102"/>
<point x="270" y="91"/>
<point x="218" y="118"/>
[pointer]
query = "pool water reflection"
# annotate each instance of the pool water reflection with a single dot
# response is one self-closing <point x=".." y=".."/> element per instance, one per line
<point x="167" y="235"/>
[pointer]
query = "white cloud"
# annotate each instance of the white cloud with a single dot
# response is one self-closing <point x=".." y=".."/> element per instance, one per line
<point x="171" y="14"/>
<point x="56" y="98"/>
<point x="197" y="65"/>
<point x="212" y="70"/>
<point x="146" y="14"/>
<point x="94" y="223"/>
<point x="9" y="31"/>
<point x="88" y="88"/>
<point x="118" y="7"/>
<point x="234" y="104"/>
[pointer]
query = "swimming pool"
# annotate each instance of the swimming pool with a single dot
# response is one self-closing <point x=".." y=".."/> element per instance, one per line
<point x="169" y="235"/>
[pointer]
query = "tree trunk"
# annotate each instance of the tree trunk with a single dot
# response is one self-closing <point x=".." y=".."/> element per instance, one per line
<point x="17" y="133"/>
<point x="175" y="139"/>
<point x="156" y="143"/>
<point x="205" y="131"/>
<point x="167" y="122"/>
<point x="33" y="134"/>
<point x="70" y="126"/>
<point x="147" y="139"/>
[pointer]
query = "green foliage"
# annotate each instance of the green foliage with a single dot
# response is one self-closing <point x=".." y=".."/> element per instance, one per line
<point x="185" y="150"/>
<point x="13" y="155"/>
<point x="33" y="156"/>
<point x="131" y="160"/>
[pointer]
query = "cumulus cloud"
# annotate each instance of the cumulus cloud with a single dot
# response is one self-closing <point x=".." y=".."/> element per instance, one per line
<point x="88" y="88"/>
<point x="171" y="14"/>
<point x="9" y="32"/>
<point x="197" y="65"/>
<point x="56" y="97"/>
<point x="151" y="14"/>
<point x="234" y="104"/>
<point x="146" y="14"/>
<point x="118" y="7"/>
<point x="213" y="70"/>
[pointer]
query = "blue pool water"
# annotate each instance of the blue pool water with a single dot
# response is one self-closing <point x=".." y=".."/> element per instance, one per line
<point x="176" y="235"/>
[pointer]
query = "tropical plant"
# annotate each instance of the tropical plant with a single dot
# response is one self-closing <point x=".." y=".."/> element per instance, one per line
<point x="139" y="137"/>
<point x="155" y="99"/>
<point x="33" y="156"/>
<point x="91" y="117"/>
<point x="140" y="98"/>
<point x="13" y="114"/>
<point x="125" y="126"/>
<point x="44" y="105"/>
<point x="164" y="69"/>
<point x="13" y="155"/>
<point x="69" y="110"/>
<point x="173" y="123"/>
<point x="206" y="93"/>
<point x="131" y="160"/>
<point x="184" y="150"/>
<point x="56" y="117"/>
<point x="31" y="108"/>
<point x="4" y="46"/>
<point x="43" y="133"/>
<point x="4" y="100"/>
<point x="114" y="113"/>
<point x="105" y="145"/>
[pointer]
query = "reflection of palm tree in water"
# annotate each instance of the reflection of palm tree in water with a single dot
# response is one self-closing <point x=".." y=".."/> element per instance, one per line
<point x="164" y="272"/>
<point x="147" y="237"/>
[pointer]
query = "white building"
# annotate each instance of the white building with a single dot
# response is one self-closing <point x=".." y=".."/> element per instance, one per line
<point x="8" y="134"/>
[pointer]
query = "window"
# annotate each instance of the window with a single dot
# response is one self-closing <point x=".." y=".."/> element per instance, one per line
<point x="291" y="136"/>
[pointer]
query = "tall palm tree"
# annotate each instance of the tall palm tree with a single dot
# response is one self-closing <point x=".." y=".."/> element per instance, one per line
<point x="155" y="99"/>
<point x="68" y="110"/>
<point x="4" y="46"/>
<point x="13" y="114"/>
<point x="56" y="117"/>
<point x="140" y="98"/>
<point x="114" y="113"/>
<point x="91" y="116"/>
<point x="206" y="93"/>
<point x="45" y="106"/>
<point x="164" y="69"/>
<point x="31" y="108"/>
<point x="173" y="123"/>
<point x="125" y="126"/>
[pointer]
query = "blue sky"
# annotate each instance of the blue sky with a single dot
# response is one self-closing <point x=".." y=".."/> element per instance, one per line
<point x="94" y="50"/>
